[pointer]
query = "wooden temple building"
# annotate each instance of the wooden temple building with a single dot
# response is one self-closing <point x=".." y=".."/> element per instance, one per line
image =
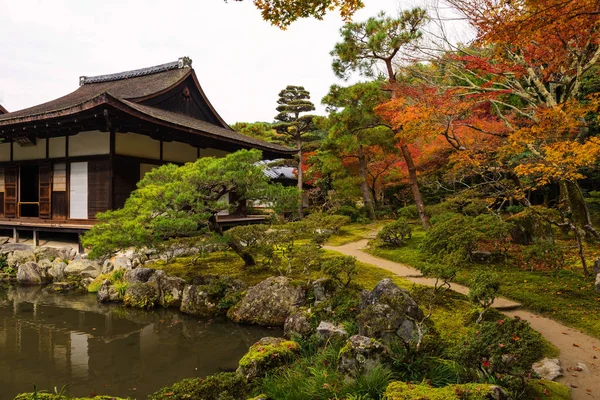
<point x="64" y="161"/>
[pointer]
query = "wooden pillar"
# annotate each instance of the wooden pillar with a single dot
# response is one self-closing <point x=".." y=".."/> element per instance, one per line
<point x="15" y="235"/>
<point x="36" y="238"/>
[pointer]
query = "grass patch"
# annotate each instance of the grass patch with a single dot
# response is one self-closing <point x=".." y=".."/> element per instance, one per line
<point x="565" y="295"/>
<point x="353" y="232"/>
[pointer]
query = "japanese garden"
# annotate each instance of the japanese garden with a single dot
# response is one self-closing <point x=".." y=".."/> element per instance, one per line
<point x="432" y="232"/>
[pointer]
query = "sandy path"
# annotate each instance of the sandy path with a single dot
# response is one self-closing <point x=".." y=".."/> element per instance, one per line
<point x="575" y="347"/>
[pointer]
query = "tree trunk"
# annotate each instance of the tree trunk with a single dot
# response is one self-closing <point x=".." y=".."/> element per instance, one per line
<point x="364" y="185"/>
<point x="577" y="207"/>
<point x="414" y="185"/>
<point x="234" y="245"/>
<point x="300" y="179"/>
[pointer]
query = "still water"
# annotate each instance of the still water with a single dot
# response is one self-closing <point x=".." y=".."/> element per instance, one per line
<point x="60" y="339"/>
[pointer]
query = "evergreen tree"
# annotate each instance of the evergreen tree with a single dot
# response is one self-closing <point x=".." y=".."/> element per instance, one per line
<point x="293" y="102"/>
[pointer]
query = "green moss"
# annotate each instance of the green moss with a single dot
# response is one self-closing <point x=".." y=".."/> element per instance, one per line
<point x="140" y="295"/>
<point x="224" y="386"/>
<point x="352" y="233"/>
<point x="544" y="389"/>
<point x="406" y="391"/>
<point x="259" y="353"/>
<point x="96" y="284"/>
<point x="115" y="277"/>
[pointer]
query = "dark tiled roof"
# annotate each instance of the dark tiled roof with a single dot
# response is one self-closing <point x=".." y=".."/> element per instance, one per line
<point x="181" y="63"/>
<point x="279" y="172"/>
<point x="203" y="126"/>
<point x="122" y="89"/>
<point x="2" y="110"/>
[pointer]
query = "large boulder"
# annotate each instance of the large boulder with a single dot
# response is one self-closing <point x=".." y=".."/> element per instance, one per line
<point x="297" y="324"/>
<point x="548" y="368"/>
<point x="141" y="295"/>
<point x="116" y="263"/>
<point x="19" y="257"/>
<point x="29" y="274"/>
<point x="197" y="301"/>
<point x="323" y="289"/>
<point x="362" y="354"/>
<point x="387" y="312"/>
<point x="54" y="253"/>
<point x="57" y="271"/>
<point x="269" y="303"/>
<point x="84" y="268"/>
<point x="139" y="275"/>
<point x="267" y="353"/>
<point x="170" y="289"/>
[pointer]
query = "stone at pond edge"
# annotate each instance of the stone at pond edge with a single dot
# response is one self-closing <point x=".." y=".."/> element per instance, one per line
<point x="170" y="289"/>
<point x="548" y="368"/>
<point x="139" y="275"/>
<point x="361" y="354"/>
<point x="29" y="274"/>
<point x="323" y="289"/>
<point x="196" y="301"/>
<point x="57" y="271"/>
<point x="297" y="324"/>
<point x="108" y="293"/>
<point x="327" y="330"/>
<point x="83" y="268"/>
<point x="470" y="391"/>
<point x="141" y="295"/>
<point x="19" y="257"/>
<point x="267" y="353"/>
<point x="387" y="312"/>
<point x="269" y="303"/>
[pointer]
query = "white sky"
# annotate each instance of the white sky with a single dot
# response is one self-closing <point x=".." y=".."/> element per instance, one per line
<point x="242" y="62"/>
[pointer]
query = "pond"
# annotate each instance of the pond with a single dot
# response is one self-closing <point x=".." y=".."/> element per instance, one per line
<point x="52" y="340"/>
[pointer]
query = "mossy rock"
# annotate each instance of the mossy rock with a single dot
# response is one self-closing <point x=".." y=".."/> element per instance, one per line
<point x="224" y="386"/>
<point x="267" y="353"/>
<point x="49" y="396"/>
<point x="545" y="389"/>
<point x="469" y="391"/>
<point x="141" y="295"/>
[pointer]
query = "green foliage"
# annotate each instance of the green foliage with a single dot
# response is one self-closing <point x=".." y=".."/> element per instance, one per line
<point x="340" y="268"/>
<point x="484" y="289"/>
<point x="223" y="386"/>
<point x="366" y="43"/>
<point x="533" y="223"/>
<point x="349" y="211"/>
<point x="50" y="396"/>
<point x="542" y="255"/>
<point x="406" y="391"/>
<point x="115" y="278"/>
<point x="258" y="130"/>
<point x="179" y="202"/>
<point x="454" y="239"/>
<point x="408" y="212"/>
<point x="395" y="233"/>
<point x="506" y="346"/>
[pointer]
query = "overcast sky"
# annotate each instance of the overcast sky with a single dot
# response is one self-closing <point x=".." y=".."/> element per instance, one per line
<point x="242" y="62"/>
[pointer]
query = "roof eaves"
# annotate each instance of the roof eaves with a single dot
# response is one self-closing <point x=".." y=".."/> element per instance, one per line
<point x="3" y="110"/>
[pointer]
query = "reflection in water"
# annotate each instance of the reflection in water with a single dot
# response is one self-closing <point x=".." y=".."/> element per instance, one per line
<point x="56" y="339"/>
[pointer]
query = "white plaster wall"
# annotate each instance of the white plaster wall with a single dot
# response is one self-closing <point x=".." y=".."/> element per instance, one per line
<point x="136" y="145"/>
<point x="89" y="143"/>
<point x="179" y="152"/>
<point x="36" y="152"/>
<point x="4" y="151"/>
<point x="57" y="147"/>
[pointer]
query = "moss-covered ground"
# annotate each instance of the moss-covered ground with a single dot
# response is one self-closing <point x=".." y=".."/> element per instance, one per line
<point x="565" y="295"/>
<point x="353" y="232"/>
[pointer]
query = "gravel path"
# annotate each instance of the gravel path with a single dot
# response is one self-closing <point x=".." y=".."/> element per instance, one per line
<point x="575" y="347"/>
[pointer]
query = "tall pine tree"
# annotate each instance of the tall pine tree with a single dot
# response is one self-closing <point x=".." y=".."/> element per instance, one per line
<point x="294" y="101"/>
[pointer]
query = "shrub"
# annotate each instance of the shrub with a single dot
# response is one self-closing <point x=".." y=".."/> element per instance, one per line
<point x="408" y="212"/>
<point x="340" y="268"/>
<point x="395" y="233"/>
<point x="507" y="346"/>
<point x="532" y="224"/>
<point x="483" y="290"/>
<point x="223" y="386"/>
<point x="349" y="211"/>
<point x="543" y="254"/>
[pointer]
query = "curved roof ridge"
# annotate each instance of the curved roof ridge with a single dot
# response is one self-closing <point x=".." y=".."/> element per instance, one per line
<point x="183" y="62"/>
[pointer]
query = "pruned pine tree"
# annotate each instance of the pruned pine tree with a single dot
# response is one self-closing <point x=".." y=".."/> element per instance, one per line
<point x="294" y="102"/>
